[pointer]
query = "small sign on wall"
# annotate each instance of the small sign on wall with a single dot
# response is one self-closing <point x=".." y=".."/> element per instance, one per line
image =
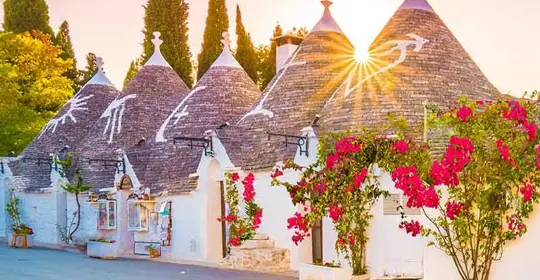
<point x="152" y="249"/>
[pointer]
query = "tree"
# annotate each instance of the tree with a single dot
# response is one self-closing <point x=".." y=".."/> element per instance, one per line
<point x="76" y="189"/>
<point x="339" y="185"/>
<point x="132" y="71"/>
<point x="478" y="195"/>
<point x="32" y="87"/>
<point x="245" y="51"/>
<point x="90" y="70"/>
<point x="268" y="62"/>
<point x="63" y="41"/>
<point x="170" y="18"/>
<point x="26" y="15"/>
<point x="217" y="22"/>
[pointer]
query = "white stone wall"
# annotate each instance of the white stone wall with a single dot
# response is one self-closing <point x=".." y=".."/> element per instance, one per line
<point x="39" y="212"/>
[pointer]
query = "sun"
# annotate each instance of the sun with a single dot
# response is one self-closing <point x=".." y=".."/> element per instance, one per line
<point x="362" y="56"/>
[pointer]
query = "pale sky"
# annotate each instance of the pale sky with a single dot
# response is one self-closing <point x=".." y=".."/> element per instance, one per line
<point x="502" y="36"/>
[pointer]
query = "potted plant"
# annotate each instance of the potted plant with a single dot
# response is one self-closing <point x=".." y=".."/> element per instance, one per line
<point x="21" y="235"/>
<point x="325" y="270"/>
<point x="102" y="248"/>
<point x="342" y="186"/>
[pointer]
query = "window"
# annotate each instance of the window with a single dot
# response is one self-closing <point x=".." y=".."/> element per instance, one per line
<point x="137" y="216"/>
<point x="107" y="214"/>
<point x="392" y="206"/>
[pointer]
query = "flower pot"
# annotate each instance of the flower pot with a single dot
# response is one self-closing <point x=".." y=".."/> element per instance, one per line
<point x="317" y="272"/>
<point x="21" y="240"/>
<point x="360" y="277"/>
<point x="102" y="250"/>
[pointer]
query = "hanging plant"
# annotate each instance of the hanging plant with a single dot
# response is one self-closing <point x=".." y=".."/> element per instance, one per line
<point x="241" y="229"/>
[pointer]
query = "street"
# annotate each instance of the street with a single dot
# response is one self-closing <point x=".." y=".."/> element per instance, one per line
<point x="45" y="264"/>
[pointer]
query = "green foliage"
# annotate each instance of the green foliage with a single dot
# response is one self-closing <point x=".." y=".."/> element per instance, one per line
<point x="217" y="22"/>
<point x="75" y="188"/>
<point x="26" y="15"/>
<point x="267" y="60"/>
<point x="12" y="209"/>
<point x="63" y="41"/>
<point x="245" y="51"/>
<point x="32" y="87"/>
<point x="132" y="71"/>
<point x="170" y="18"/>
<point x="90" y="69"/>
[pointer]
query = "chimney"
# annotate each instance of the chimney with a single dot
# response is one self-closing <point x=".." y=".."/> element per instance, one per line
<point x="286" y="45"/>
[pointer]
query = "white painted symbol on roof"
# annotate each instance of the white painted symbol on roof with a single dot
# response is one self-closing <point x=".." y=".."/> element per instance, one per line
<point x="160" y="136"/>
<point x="114" y="114"/>
<point x="75" y="104"/>
<point x="259" y="109"/>
<point x="398" y="45"/>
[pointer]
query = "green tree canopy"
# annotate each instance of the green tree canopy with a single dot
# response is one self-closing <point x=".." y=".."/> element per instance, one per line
<point x="245" y="51"/>
<point x="63" y="41"/>
<point x="89" y="70"/>
<point x="267" y="56"/>
<point x="217" y="22"/>
<point x="132" y="71"/>
<point x="26" y="15"/>
<point x="32" y="87"/>
<point x="170" y="18"/>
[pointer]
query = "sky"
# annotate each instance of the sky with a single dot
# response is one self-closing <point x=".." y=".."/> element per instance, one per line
<point x="502" y="36"/>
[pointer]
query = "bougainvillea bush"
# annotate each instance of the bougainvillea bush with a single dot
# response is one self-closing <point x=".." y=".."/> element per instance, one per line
<point x="339" y="185"/>
<point x="241" y="228"/>
<point x="478" y="194"/>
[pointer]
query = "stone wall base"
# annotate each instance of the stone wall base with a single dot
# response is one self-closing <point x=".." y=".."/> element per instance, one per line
<point x="258" y="254"/>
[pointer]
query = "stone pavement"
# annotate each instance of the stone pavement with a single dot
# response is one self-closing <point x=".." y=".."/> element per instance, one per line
<point x="45" y="264"/>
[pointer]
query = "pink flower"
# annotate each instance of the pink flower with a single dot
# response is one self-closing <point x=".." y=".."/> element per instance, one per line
<point x="235" y="241"/>
<point x="412" y="227"/>
<point x="464" y="113"/>
<point x="359" y="178"/>
<point x="517" y="112"/>
<point x="430" y="198"/>
<point x="235" y="177"/>
<point x="276" y="173"/>
<point x="331" y="161"/>
<point x="335" y="212"/>
<point x="531" y="130"/>
<point x="400" y="147"/>
<point x="527" y="191"/>
<point x="480" y="102"/>
<point x="505" y="152"/>
<point x="346" y="146"/>
<point x="453" y="209"/>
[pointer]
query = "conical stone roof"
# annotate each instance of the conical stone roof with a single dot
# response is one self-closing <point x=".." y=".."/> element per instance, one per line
<point x="222" y="95"/>
<point x="296" y="94"/>
<point x="415" y="59"/>
<point x="133" y="117"/>
<point x="65" y="131"/>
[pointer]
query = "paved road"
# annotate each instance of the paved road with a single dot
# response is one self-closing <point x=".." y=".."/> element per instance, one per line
<point x="44" y="264"/>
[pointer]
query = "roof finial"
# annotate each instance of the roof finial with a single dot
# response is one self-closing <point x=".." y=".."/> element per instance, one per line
<point x="99" y="63"/>
<point x="157" y="58"/>
<point x="157" y="41"/>
<point x="327" y="3"/>
<point x="226" y="41"/>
